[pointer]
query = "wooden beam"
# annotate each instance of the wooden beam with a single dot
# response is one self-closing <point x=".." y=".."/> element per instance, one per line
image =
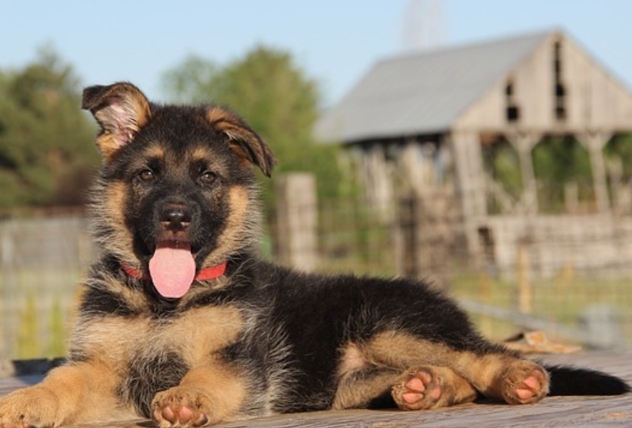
<point x="470" y="175"/>
<point x="524" y="144"/>
<point x="470" y="185"/>
<point x="594" y="142"/>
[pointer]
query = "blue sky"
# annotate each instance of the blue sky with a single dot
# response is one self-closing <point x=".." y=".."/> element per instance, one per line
<point x="335" y="42"/>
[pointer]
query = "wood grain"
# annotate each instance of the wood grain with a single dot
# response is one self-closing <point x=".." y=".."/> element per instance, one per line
<point x="551" y="412"/>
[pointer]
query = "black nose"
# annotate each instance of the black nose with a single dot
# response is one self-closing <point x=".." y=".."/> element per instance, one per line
<point x="175" y="217"/>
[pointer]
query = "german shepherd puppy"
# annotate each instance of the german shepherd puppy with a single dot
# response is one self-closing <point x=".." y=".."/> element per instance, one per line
<point x="181" y="322"/>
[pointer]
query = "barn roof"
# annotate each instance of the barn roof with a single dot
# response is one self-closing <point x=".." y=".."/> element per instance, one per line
<point x="422" y="93"/>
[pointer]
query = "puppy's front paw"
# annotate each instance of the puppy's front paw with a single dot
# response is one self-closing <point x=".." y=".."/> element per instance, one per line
<point x="30" y="407"/>
<point x="182" y="407"/>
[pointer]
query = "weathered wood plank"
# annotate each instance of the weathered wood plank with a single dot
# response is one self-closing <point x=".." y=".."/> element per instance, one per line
<point x="551" y="412"/>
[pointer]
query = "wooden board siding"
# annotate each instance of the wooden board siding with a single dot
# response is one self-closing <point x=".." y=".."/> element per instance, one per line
<point x="595" y="99"/>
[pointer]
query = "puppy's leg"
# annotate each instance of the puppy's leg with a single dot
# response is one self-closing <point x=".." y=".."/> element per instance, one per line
<point x="206" y="395"/>
<point x="418" y="388"/>
<point x="492" y="370"/>
<point x="71" y="394"/>
<point x="358" y="388"/>
<point x="505" y="376"/>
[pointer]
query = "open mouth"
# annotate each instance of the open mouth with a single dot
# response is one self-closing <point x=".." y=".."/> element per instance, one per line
<point x="172" y="268"/>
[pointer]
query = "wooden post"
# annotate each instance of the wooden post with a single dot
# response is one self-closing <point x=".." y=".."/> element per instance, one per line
<point x="594" y="142"/>
<point x="408" y="225"/>
<point x="571" y="197"/>
<point x="426" y="222"/>
<point x="436" y="236"/>
<point x="470" y="175"/>
<point x="525" y="293"/>
<point x="524" y="144"/>
<point x="377" y="177"/>
<point x="470" y="185"/>
<point x="296" y="232"/>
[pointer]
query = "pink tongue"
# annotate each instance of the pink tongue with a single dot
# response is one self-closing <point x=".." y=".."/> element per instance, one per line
<point x="172" y="271"/>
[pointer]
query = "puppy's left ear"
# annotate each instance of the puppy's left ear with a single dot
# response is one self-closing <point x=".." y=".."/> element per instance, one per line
<point x="242" y="138"/>
<point x="121" y="110"/>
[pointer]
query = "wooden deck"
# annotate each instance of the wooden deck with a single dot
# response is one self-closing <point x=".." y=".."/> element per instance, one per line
<point x="551" y="412"/>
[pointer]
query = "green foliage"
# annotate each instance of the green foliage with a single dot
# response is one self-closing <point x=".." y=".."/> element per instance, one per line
<point x="557" y="161"/>
<point x="192" y="81"/>
<point x="28" y="333"/>
<point x="502" y="160"/>
<point x="57" y="337"/>
<point x="621" y="148"/>
<point x="276" y="98"/>
<point x="46" y="155"/>
<point x="29" y="341"/>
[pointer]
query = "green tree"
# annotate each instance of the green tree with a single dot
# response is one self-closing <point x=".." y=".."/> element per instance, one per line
<point x="620" y="148"/>
<point x="192" y="81"/>
<point x="557" y="161"/>
<point x="275" y="97"/>
<point x="46" y="154"/>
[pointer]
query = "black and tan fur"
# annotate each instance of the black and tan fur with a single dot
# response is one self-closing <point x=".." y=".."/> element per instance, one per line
<point x="260" y="339"/>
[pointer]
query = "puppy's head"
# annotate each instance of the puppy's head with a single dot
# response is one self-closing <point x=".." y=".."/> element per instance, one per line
<point x="177" y="192"/>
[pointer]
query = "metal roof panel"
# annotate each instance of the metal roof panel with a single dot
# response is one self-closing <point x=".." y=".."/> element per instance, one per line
<point x="424" y="92"/>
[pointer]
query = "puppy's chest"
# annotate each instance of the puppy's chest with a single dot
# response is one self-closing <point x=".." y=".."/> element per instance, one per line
<point x="192" y="336"/>
<point x="151" y="355"/>
<point x="197" y="333"/>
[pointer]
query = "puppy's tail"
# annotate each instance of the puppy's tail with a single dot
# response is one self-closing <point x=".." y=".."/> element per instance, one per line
<point x="577" y="381"/>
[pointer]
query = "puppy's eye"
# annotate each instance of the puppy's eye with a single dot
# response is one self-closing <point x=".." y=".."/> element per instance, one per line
<point x="146" y="175"/>
<point x="207" y="177"/>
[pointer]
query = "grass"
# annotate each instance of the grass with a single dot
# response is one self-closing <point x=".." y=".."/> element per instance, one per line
<point x="563" y="299"/>
<point x="35" y="312"/>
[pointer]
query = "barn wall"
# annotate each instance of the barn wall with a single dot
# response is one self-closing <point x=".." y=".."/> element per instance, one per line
<point x="594" y="99"/>
<point x="597" y="99"/>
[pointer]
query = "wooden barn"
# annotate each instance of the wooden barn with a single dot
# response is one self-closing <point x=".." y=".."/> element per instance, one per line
<point x="422" y="122"/>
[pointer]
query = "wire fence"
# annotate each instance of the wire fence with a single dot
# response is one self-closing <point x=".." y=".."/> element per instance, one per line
<point x="568" y="275"/>
<point x="42" y="258"/>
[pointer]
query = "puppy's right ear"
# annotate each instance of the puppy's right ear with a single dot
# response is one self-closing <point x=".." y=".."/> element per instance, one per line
<point x="121" y="110"/>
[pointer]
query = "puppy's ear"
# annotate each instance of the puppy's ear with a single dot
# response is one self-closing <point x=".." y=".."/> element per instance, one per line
<point x="121" y="110"/>
<point x="242" y="139"/>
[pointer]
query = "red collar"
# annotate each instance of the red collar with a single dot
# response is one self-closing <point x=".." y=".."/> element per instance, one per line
<point x="204" y="274"/>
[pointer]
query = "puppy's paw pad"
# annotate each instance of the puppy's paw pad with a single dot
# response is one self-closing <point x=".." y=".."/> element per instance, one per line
<point x="417" y="389"/>
<point x="179" y="407"/>
<point x="526" y="384"/>
<point x="183" y="416"/>
<point x="529" y="388"/>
